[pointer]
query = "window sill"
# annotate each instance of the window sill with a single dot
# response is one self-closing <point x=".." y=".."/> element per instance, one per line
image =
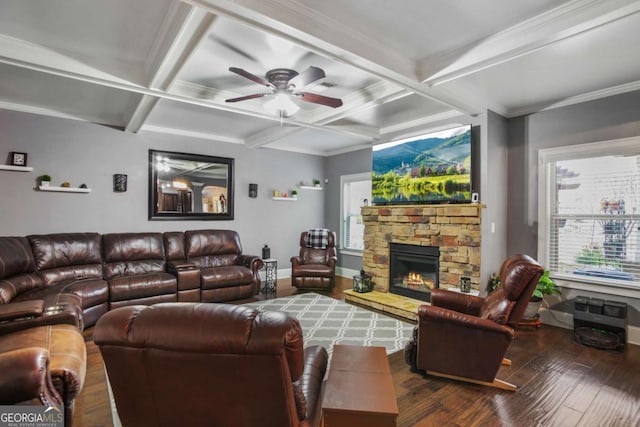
<point x="599" y="285"/>
<point x="352" y="252"/>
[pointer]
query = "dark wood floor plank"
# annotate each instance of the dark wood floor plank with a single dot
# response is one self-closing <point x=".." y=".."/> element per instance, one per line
<point x="560" y="383"/>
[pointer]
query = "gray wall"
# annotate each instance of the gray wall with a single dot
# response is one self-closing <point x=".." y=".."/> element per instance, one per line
<point x="494" y="196"/>
<point x="81" y="152"/>
<point x="336" y="166"/>
<point x="605" y="119"/>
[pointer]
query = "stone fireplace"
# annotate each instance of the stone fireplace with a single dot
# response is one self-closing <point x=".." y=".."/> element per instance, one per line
<point x="413" y="270"/>
<point x="453" y="229"/>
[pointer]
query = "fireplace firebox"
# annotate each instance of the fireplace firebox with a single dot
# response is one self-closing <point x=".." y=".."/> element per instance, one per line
<point x="413" y="270"/>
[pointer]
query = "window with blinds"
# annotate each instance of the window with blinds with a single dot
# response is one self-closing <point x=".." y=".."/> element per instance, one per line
<point x="593" y="215"/>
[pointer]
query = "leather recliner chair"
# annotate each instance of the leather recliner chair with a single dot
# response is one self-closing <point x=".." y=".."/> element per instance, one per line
<point x="314" y="268"/>
<point x="465" y="337"/>
<point x="209" y="365"/>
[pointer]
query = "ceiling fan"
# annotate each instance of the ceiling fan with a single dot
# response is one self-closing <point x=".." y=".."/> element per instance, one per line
<point x="284" y="84"/>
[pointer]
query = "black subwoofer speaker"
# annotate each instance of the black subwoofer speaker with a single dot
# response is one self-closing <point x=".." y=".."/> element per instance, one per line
<point x="599" y="323"/>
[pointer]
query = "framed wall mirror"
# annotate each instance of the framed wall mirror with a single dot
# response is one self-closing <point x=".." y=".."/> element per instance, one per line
<point x="186" y="186"/>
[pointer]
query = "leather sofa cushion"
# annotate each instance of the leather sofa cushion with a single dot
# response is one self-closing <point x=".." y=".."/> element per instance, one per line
<point x="85" y="293"/>
<point x="16" y="257"/>
<point x="212" y="248"/>
<point x="127" y="254"/>
<point x="11" y="287"/>
<point x="174" y="245"/>
<point x="314" y="256"/>
<point x="64" y="257"/>
<point x="141" y="286"/>
<point x="60" y="250"/>
<point x="220" y="277"/>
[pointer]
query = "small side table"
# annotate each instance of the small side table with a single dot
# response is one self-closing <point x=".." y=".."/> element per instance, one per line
<point x="271" y="275"/>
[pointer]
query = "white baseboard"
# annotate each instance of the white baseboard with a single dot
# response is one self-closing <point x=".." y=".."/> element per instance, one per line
<point x="565" y="320"/>
<point x="347" y="272"/>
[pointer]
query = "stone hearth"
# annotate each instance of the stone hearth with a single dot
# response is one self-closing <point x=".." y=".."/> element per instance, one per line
<point x="455" y="229"/>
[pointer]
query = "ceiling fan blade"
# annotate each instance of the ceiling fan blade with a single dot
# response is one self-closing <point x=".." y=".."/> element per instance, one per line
<point x="321" y="99"/>
<point x="250" y="76"/>
<point x="308" y="76"/>
<point x="244" y="98"/>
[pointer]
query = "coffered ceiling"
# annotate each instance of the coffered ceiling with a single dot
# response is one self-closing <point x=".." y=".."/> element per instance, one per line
<point x="399" y="67"/>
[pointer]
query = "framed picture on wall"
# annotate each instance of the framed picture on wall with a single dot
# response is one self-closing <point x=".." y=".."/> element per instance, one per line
<point x="18" y="159"/>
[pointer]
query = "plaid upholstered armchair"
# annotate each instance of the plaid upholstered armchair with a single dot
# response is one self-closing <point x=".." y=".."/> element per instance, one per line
<point x="315" y="267"/>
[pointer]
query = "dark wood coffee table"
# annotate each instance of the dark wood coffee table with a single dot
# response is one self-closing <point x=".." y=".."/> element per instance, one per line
<point x="359" y="390"/>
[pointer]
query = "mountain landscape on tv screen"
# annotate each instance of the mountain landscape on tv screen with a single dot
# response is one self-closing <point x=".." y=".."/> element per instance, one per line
<point x="432" y="169"/>
<point x="430" y="152"/>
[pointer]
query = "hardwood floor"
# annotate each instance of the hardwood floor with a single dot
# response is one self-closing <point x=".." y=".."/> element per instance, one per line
<point x="560" y="383"/>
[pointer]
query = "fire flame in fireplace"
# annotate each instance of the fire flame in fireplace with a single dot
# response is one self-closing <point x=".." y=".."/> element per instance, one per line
<point x="416" y="280"/>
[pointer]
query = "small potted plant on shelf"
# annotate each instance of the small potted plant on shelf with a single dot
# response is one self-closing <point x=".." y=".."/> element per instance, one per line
<point x="294" y="194"/>
<point x="545" y="286"/>
<point x="316" y="183"/>
<point x="44" y="180"/>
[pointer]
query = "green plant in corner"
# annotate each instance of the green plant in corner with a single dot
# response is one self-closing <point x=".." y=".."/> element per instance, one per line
<point x="494" y="282"/>
<point x="546" y="286"/>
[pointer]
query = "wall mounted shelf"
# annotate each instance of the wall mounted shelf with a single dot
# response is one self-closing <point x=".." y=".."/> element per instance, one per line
<point x="16" y="168"/>
<point x="310" y="187"/>
<point x="65" y="189"/>
<point x="285" y="199"/>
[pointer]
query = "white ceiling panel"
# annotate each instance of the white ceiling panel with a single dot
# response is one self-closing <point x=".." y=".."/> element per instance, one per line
<point x="115" y="35"/>
<point x="418" y="29"/>
<point x="319" y="142"/>
<point x="201" y="120"/>
<point x="30" y="91"/>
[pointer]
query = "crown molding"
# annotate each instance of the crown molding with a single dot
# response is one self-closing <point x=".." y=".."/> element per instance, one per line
<point x="578" y="99"/>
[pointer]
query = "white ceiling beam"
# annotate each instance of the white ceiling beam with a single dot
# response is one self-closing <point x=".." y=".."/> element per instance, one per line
<point x="182" y="31"/>
<point x="568" y="20"/>
<point x="298" y="23"/>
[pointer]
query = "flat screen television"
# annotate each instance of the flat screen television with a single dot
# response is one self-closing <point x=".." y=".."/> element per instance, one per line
<point x="430" y="168"/>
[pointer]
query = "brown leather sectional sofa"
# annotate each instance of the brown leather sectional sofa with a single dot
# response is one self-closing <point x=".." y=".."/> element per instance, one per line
<point x="53" y="285"/>
<point x="115" y="270"/>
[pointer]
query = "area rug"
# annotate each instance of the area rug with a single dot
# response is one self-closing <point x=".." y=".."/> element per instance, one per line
<point x="326" y="321"/>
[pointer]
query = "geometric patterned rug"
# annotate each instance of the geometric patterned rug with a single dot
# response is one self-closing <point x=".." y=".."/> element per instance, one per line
<point x="326" y="321"/>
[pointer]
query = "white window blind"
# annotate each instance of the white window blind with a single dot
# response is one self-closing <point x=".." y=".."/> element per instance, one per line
<point x="593" y="215"/>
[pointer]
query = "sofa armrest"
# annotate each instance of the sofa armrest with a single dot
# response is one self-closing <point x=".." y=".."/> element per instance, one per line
<point x="250" y="261"/>
<point x="63" y="314"/>
<point x="297" y="260"/>
<point x="187" y="273"/>
<point x="26" y="378"/>
<point x="174" y="266"/>
<point x="462" y="303"/>
<point x="21" y="310"/>
<point x="310" y="383"/>
<point x="332" y="261"/>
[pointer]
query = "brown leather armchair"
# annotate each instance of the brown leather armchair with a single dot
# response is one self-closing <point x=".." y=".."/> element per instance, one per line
<point x="209" y="365"/>
<point x="465" y="337"/>
<point x="314" y="268"/>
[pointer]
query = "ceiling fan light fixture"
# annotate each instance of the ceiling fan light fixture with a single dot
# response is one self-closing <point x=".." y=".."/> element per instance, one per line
<point x="281" y="105"/>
